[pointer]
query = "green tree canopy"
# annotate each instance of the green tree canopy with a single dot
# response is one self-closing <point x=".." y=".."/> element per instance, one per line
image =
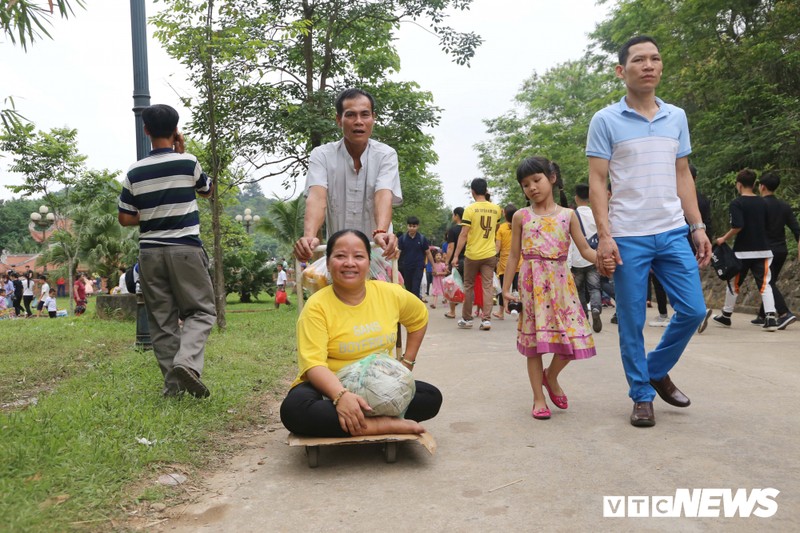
<point x="734" y="66"/>
<point x="551" y="119"/>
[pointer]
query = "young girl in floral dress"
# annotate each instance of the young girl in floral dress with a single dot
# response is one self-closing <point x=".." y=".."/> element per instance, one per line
<point x="552" y="320"/>
<point x="439" y="272"/>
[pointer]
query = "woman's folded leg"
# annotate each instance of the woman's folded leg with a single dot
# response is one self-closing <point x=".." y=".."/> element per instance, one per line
<point x="426" y="403"/>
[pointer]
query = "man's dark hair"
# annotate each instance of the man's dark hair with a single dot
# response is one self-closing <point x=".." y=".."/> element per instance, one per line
<point x="349" y="94"/>
<point x="459" y="211"/>
<point x="412" y="220"/>
<point x="626" y="48"/>
<point x="693" y="170"/>
<point x="582" y="191"/>
<point x="479" y="186"/>
<point x="746" y="177"/>
<point x="771" y="180"/>
<point x="160" y="120"/>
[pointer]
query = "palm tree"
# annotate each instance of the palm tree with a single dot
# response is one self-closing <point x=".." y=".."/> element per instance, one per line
<point x="284" y="221"/>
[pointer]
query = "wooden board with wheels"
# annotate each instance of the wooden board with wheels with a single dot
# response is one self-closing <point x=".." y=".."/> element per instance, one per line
<point x="390" y="441"/>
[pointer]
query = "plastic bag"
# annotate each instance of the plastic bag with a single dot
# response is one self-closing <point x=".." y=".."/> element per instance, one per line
<point x="380" y="269"/>
<point x="280" y="297"/>
<point x="386" y="385"/>
<point x="453" y="287"/>
<point x="315" y="276"/>
<point x="496" y="283"/>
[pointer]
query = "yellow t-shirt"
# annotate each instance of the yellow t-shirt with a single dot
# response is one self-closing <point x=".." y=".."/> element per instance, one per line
<point x="333" y="334"/>
<point x="504" y="238"/>
<point x="480" y="240"/>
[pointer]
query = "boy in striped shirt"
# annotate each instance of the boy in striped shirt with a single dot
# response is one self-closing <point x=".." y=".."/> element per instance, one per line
<point x="159" y="194"/>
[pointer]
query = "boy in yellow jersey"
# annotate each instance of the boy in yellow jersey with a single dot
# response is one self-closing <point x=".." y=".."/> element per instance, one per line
<point x="478" y="227"/>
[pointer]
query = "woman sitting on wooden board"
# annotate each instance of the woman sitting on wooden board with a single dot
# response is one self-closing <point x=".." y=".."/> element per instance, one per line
<point x="341" y="324"/>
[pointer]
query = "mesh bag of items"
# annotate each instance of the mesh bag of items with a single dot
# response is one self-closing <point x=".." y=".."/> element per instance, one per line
<point x="386" y="385"/>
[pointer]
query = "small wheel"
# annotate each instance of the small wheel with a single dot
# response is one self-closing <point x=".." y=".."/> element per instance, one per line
<point x="390" y="452"/>
<point x="313" y="456"/>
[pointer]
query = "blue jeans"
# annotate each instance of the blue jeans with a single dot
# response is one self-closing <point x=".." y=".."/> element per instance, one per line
<point x="672" y="261"/>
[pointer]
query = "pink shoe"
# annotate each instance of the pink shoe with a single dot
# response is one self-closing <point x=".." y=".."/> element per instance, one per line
<point x="559" y="401"/>
<point x="541" y="414"/>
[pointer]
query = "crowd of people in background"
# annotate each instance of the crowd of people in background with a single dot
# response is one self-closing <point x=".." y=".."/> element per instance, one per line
<point x="31" y="295"/>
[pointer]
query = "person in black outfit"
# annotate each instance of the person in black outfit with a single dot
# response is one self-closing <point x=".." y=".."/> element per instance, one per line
<point x="16" y="299"/>
<point x="452" y="240"/>
<point x="779" y="215"/>
<point x="749" y="225"/>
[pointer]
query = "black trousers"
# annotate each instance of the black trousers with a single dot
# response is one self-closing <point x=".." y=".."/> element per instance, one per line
<point x="778" y="259"/>
<point x="412" y="278"/>
<point x="27" y="301"/>
<point x="305" y="411"/>
<point x="513" y="287"/>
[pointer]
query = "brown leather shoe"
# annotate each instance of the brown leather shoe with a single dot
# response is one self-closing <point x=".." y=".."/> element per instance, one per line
<point x="669" y="392"/>
<point x="642" y="415"/>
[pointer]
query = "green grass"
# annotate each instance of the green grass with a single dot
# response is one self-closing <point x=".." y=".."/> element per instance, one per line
<point x="70" y="462"/>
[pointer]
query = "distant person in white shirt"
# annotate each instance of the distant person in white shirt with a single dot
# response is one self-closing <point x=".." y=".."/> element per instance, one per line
<point x="50" y="303"/>
<point x="587" y="278"/>
<point x="352" y="183"/>
<point x="122" y="286"/>
<point x="280" y="285"/>
<point x="43" y="294"/>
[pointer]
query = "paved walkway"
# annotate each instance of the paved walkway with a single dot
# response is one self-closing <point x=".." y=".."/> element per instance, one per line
<point x="497" y="469"/>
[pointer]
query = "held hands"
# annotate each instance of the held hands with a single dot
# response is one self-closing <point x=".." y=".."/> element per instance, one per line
<point x="304" y="247"/>
<point x="351" y="408"/>
<point x="607" y="257"/>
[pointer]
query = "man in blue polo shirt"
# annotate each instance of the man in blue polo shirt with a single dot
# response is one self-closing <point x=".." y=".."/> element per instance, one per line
<point x="414" y="248"/>
<point x="642" y="144"/>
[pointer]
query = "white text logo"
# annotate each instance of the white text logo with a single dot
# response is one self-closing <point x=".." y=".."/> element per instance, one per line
<point x="695" y="503"/>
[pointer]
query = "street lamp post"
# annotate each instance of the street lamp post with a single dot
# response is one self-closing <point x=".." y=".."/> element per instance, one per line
<point x="42" y="220"/>
<point x="141" y="99"/>
<point x="248" y="219"/>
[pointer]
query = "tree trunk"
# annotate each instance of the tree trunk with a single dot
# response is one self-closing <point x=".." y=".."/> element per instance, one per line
<point x="71" y="282"/>
<point x="216" y="205"/>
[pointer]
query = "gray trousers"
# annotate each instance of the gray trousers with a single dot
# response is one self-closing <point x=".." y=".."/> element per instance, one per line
<point x="587" y="279"/>
<point x="176" y="285"/>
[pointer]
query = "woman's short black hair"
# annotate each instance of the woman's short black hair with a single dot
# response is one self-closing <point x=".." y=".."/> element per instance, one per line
<point x="335" y="237"/>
